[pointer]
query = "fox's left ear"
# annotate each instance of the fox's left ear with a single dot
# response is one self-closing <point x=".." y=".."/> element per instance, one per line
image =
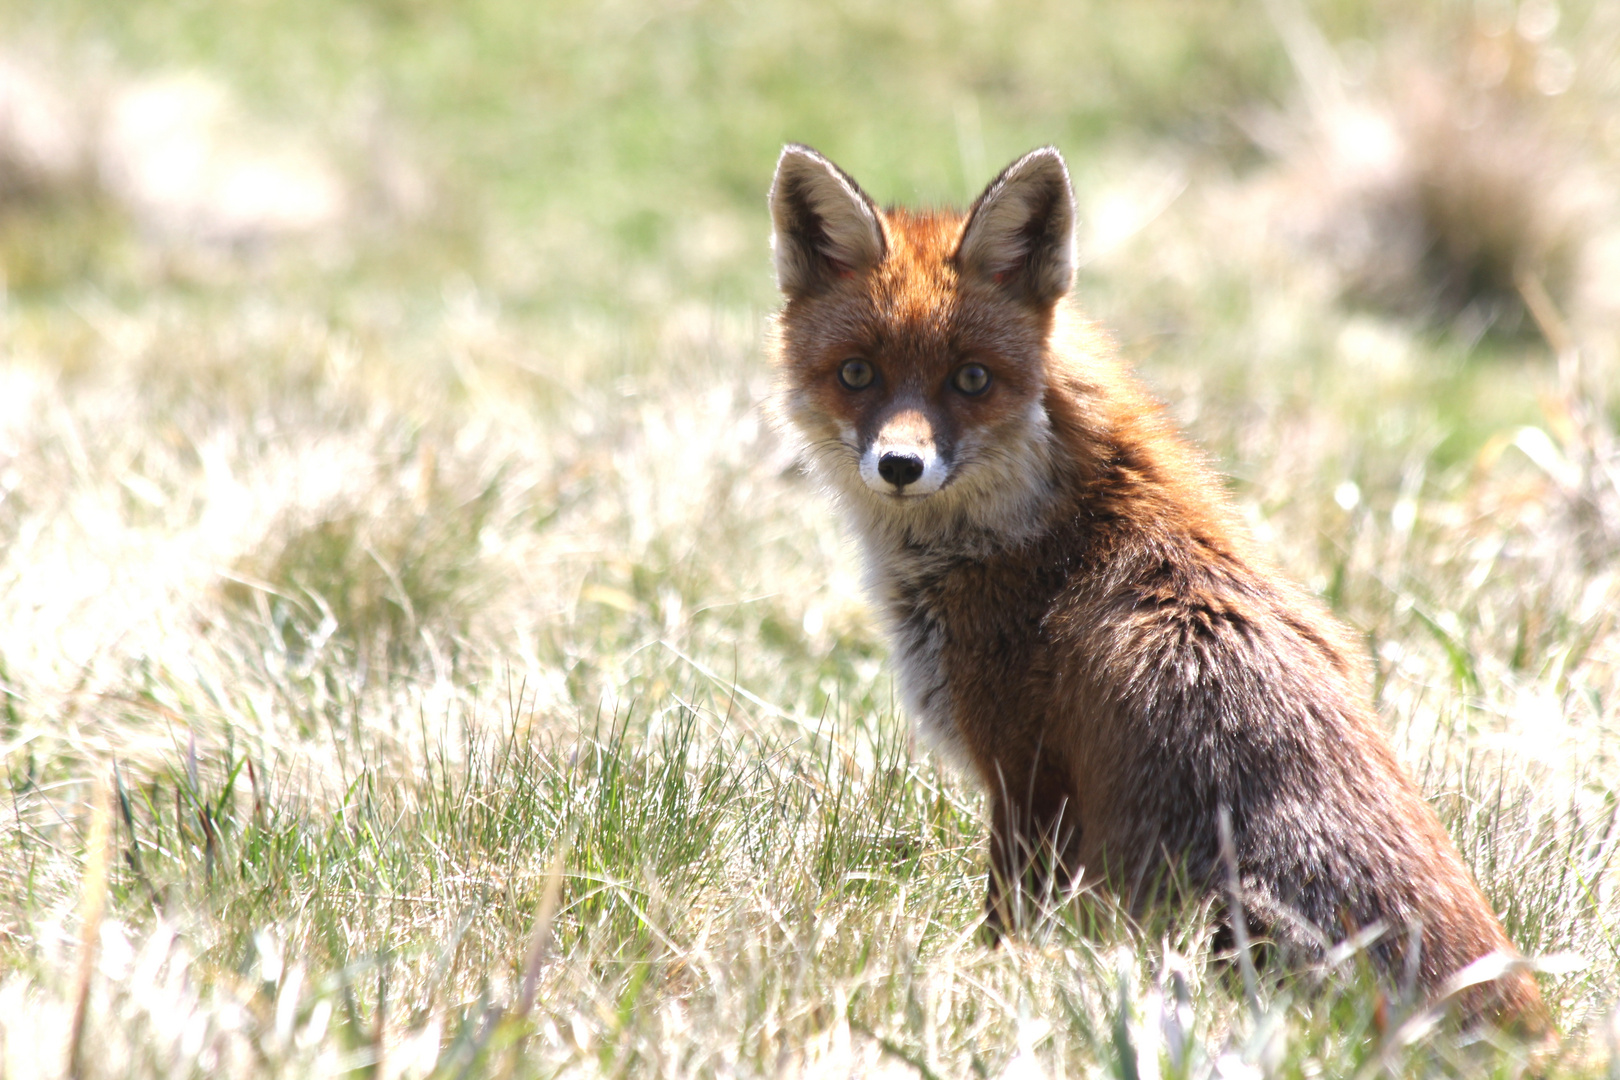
<point x="1020" y="233"/>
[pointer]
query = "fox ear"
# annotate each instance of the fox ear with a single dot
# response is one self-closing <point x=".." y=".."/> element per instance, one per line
<point x="825" y="226"/>
<point x="1020" y="232"/>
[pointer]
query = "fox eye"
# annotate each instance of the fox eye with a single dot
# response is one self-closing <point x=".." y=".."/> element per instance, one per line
<point x="856" y="374"/>
<point x="971" y="379"/>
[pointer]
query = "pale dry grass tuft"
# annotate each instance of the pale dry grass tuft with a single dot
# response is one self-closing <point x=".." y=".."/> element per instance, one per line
<point x="1435" y="175"/>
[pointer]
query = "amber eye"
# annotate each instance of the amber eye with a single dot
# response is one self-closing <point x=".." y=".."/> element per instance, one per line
<point x="971" y="379"/>
<point x="856" y="374"/>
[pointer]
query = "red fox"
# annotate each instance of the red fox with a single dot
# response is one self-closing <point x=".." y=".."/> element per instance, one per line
<point x="1073" y="609"/>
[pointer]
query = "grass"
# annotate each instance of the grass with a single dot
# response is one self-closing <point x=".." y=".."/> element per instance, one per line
<point x="417" y="658"/>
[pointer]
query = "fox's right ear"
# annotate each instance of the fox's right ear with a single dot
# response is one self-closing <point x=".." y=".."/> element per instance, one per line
<point x="825" y="226"/>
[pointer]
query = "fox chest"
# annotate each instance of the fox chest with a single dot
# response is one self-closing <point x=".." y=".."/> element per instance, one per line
<point x="919" y="633"/>
<point x="968" y="648"/>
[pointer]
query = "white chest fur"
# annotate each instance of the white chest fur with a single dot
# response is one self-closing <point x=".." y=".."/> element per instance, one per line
<point x="903" y="584"/>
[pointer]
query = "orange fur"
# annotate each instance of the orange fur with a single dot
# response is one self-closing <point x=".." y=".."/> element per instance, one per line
<point x="1075" y="612"/>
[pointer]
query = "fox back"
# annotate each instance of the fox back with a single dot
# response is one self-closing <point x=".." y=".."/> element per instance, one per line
<point x="1075" y="613"/>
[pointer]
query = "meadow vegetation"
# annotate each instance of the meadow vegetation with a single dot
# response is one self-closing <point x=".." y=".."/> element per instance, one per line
<point x="419" y="657"/>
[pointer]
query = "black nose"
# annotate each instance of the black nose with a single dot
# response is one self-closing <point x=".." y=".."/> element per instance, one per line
<point x="900" y="469"/>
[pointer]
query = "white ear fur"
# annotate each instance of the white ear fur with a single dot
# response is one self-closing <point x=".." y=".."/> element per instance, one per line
<point x="824" y="225"/>
<point x="1020" y="232"/>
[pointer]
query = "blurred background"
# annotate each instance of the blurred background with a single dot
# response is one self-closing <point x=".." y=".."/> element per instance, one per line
<point x="581" y="162"/>
<point x="373" y="372"/>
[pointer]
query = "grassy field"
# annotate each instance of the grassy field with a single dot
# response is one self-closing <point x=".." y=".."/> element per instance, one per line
<point x="418" y="658"/>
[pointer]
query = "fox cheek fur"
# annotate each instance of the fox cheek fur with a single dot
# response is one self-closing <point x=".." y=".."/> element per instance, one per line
<point x="1074" y="612"/>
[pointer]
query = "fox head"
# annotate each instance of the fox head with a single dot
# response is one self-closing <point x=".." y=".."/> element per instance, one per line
<point x="912" y="346"/>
